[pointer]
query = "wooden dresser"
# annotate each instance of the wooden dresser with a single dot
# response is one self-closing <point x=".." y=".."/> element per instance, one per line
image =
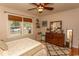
<point x="55" y="38"/>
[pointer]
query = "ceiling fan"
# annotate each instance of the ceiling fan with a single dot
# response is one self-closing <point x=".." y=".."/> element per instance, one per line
<point x="41" y="6"/>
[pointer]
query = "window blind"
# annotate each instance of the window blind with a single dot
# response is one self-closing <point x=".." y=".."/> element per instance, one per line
<point x="18" y="18"/>
<point x="14" y="18"/>
<point x="27" y="19"/>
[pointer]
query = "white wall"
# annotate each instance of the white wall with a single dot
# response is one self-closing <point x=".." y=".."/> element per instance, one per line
<point x="70" y="20"/>
<point x="4" y="31"/>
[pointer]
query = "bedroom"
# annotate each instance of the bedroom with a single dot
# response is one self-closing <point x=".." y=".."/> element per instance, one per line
<point x="12" y="14"/>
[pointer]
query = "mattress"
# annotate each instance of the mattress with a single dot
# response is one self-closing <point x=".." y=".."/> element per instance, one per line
<point x="23" y="47"/>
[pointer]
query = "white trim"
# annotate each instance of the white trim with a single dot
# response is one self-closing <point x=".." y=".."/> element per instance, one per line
<point x="75" y="46"/>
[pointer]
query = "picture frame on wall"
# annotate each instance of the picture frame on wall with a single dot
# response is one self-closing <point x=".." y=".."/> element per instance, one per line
<point x="37" y="23"/>
<point x="44" y="23"/>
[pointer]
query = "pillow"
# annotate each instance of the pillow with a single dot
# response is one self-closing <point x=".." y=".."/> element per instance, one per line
<point x="3" y="46"/>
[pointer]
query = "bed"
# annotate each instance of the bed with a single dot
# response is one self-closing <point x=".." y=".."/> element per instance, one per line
<point x="24" y="47"/>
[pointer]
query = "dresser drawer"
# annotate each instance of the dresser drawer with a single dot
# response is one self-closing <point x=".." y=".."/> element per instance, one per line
<point x="55" y="38"/>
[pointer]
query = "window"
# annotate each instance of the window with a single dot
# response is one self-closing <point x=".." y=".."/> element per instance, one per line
<point x="19" y="27"/>
<point x="15" y="27"/>
<point x="27" y="28"/>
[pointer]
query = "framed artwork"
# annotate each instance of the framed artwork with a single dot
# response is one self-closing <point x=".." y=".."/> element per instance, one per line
<point x="44" y="23"/>
<point x="37" y="23"/>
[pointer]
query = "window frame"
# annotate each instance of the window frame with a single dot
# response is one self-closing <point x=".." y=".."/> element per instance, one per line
<point x="22" y="26"/>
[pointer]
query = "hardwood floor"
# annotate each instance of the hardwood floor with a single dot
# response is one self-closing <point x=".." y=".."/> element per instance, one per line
<point x="74" y="52"/>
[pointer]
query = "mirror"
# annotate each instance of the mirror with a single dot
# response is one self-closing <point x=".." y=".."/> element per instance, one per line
<point x="69" y="38"/>
<point x="56" y="26"/>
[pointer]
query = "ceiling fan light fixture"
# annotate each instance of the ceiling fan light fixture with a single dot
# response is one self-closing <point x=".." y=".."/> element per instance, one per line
<point x="40" y="9"/>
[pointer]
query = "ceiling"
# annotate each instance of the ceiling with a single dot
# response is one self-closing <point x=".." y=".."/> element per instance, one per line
<point x="58" y="7"/>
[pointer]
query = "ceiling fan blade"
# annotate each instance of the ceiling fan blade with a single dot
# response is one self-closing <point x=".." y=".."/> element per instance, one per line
<point x="49" y="8"/>
<point x="32" y="9"/>
<point x="46" y="4"/>
<point x="35" y="4"/>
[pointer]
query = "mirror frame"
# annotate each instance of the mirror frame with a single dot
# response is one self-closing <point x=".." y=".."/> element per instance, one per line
<point x="70" y="37"/>
<point x="60" y="25"/>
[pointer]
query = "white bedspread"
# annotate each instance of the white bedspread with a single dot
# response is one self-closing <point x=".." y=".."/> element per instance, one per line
<point x="19" y="47"/>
